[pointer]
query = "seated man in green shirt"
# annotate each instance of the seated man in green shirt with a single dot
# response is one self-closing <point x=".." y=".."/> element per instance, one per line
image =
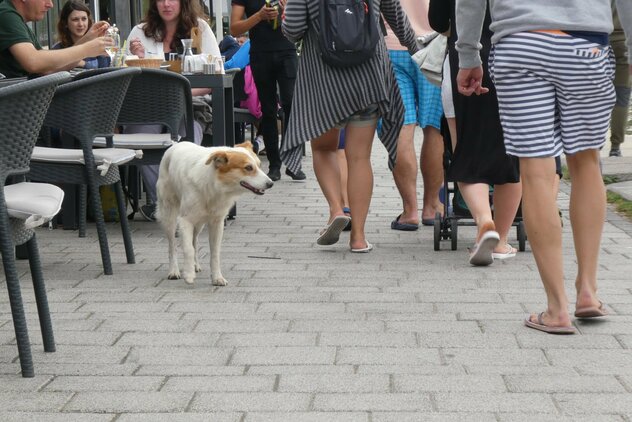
<point x="20" y="52"/>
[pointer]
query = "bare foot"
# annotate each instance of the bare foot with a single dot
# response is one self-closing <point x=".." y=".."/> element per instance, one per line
<point x="549" y="321"/>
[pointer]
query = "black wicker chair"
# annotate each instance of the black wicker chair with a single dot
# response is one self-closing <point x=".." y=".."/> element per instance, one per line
<point x="85" y="109"/>
<point x="25" y="205"/>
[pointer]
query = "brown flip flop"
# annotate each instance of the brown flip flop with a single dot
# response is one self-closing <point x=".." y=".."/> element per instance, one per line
<point x="591" y="311"/>
<point x="540" y="326"/>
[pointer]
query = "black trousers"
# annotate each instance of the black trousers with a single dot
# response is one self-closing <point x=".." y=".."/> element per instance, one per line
<point x="269" y="69"/>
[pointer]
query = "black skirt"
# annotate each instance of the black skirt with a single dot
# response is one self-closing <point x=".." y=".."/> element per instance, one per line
<point x="480" y="155"/>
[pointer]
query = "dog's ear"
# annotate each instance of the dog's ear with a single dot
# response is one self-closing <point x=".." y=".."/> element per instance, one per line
<point x="246" y="145"/>
<point x="219" y="158"/>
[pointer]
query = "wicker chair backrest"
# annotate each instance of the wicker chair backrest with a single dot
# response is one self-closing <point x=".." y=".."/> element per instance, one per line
<point x="159" y="97"/>
<point x="23" y="107"/>
<point x="89" y="107"/>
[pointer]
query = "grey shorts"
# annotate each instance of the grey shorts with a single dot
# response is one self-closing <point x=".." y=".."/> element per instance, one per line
<point x="362" y="118"/>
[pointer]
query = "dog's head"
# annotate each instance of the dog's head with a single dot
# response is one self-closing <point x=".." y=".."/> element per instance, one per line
<point x="240" y="166"/>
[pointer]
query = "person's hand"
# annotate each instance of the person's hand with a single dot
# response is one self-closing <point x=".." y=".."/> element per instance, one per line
<point x="282" y="3"/>
<point x="137" y="48"/>
<point x="96" y="47"/>
<point x="97" y="30"/>
<point x="268" y="13"/>
<point x="469" y="81"/>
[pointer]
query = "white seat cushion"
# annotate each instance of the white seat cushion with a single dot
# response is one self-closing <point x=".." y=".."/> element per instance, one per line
<point x="102" y="156"/>
<point x="36" y="203"/>
<point x="138" y="140"/>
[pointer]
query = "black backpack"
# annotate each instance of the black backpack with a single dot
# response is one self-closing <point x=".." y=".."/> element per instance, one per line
<point x="348" y="33"/>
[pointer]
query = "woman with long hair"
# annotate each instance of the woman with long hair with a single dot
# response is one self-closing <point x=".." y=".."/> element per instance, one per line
<point x="167" y="23"/>
<point x="74" y="22"/>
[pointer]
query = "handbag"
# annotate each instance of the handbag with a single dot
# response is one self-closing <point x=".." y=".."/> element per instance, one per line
<point x="430" y="57"/>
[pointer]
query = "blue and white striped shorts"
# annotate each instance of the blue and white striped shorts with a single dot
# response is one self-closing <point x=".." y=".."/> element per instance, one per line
<point x="555" y="93"/>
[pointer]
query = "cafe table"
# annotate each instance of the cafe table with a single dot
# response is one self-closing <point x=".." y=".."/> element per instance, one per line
<point x="221" y="103"/>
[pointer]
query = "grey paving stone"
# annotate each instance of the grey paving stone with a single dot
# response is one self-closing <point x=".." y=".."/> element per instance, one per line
<point x="86" y="369"/>
<point x="607" y="361"/>
<point x="448" y="383"/>
<point x="124" y="402"/>
<point x="82" y="354"/>
<point x="593" y="403"/>
<point x="105" y="383"/>
<point x="516" y="417"/>
<point x="146" y="325"/>
<point x="535" y="341"/>
<point x="267" y="339"/>
<point x="180" y="417"/>
<point x="307" y="417"/>
<point x="168" y="339"/>
<point x="334" y="383"/>
<point x="387" y="355"/>
<point x="530" y="403"/>
<point x="183" y="355"/>
<point x="24" y="384"/>
<point x="372" y="402"/>
<point x="433" y="417"/>
<point x="433" y="326"/>
<point x="496" y="357"/>
<point x="336" y="326"/>
<point x="568" y="384"/>
<point x="361" y="339"/>
<point x="175" y="370"/>
<point x="264" y="402"/>
<point x="23" y="401"/>
<point x="468" y="340"/>
<point x="55" y="417"/>
<point x="239" y="326"/>
<point x="283" y="355"/>
<point x="225" y="384"/>
<point x="423" y="369"/>
<point x="301" y="369"/>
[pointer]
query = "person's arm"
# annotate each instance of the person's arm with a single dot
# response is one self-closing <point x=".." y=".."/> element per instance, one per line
<point x="439" y="15"/>
<point x="624" y="8"/>
<point x="399" y="23"/>
<point x="36" y="61"/>
<point x="209" y="42"/>
<point x="98" y="29"/>
<point x="239" y="25"/>
<point x="134" y="43"/>
<point x="296" y="20"/>
<point x="470" y="15"/>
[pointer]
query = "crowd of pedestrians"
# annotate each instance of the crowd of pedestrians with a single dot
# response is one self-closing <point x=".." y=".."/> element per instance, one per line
<point x="522" y="84"/>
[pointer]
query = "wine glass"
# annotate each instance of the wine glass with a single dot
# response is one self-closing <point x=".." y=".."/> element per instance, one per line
<point x="113" y="48"/>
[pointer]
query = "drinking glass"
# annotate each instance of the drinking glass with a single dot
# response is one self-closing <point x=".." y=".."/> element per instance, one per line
<point x="113" y="34"/>
<point x="188" y="66"/>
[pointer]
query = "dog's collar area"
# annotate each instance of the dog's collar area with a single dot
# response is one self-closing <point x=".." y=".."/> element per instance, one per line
<point x="252" y="188"/>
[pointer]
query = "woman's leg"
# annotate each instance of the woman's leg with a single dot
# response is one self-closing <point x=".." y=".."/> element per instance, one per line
<point x="506" y="202"/>
<point x="358" y="144"/>
<point x="327" y="170"/>
<point x="344" y="177"/>
<point x="476" y="197"/>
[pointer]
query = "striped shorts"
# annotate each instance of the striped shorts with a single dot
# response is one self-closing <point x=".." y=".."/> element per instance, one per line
<point x="555" y="93"/>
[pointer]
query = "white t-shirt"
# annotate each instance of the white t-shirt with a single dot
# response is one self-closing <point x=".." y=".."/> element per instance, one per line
<point x="155" y="49"/>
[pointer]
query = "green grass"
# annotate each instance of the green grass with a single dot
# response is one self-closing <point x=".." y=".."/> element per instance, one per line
<point x="621" y="205"/>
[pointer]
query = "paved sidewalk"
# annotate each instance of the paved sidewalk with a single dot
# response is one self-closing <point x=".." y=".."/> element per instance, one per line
<point x="309" y="333"/>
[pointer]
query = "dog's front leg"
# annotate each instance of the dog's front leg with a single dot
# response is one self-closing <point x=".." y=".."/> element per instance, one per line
<point x="215" y="234"/>
<point x="186" y="231"/>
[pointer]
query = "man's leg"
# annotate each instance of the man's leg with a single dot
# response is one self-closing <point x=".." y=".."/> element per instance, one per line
<point x="587" y="213"/>
<point x="622" y="84"/>
<point x="405" y="174"/>
<point x="544" y="231"/>
<point x="431" y="161"/>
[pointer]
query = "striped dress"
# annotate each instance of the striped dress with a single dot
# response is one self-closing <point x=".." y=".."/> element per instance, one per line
<point x="324" y="96"/>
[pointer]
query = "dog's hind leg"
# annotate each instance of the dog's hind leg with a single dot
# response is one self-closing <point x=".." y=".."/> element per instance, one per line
<point x="168" y="217"/>
<point x="196" y="233"/>
<point x="215" y="234"/>
<point x="186" y="236"/>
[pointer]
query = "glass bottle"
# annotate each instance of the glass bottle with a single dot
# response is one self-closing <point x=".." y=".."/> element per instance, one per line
<point x="188" y="66"/>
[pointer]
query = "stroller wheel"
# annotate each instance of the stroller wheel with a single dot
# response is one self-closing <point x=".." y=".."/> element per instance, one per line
<point x="437" y="232"/>
<point x="454" y="233"/>
<point x="522" y="236"/>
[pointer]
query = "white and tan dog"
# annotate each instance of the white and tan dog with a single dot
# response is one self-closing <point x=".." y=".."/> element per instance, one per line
<point x="198" y="186"/>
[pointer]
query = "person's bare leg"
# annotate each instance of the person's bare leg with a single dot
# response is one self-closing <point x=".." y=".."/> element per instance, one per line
<point x="542" y="223"/>
<point x="405" y="174"/>
<point x="358" y="144"/>
<point x="476" y="196"/>
<point x="452" y="129"/>
<point x="587" y="214"/>
<point x="431" y="161"/>
<point x="327" y="171"/>
<point x="342" y="165"/>
<point x="506" y="202"/>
